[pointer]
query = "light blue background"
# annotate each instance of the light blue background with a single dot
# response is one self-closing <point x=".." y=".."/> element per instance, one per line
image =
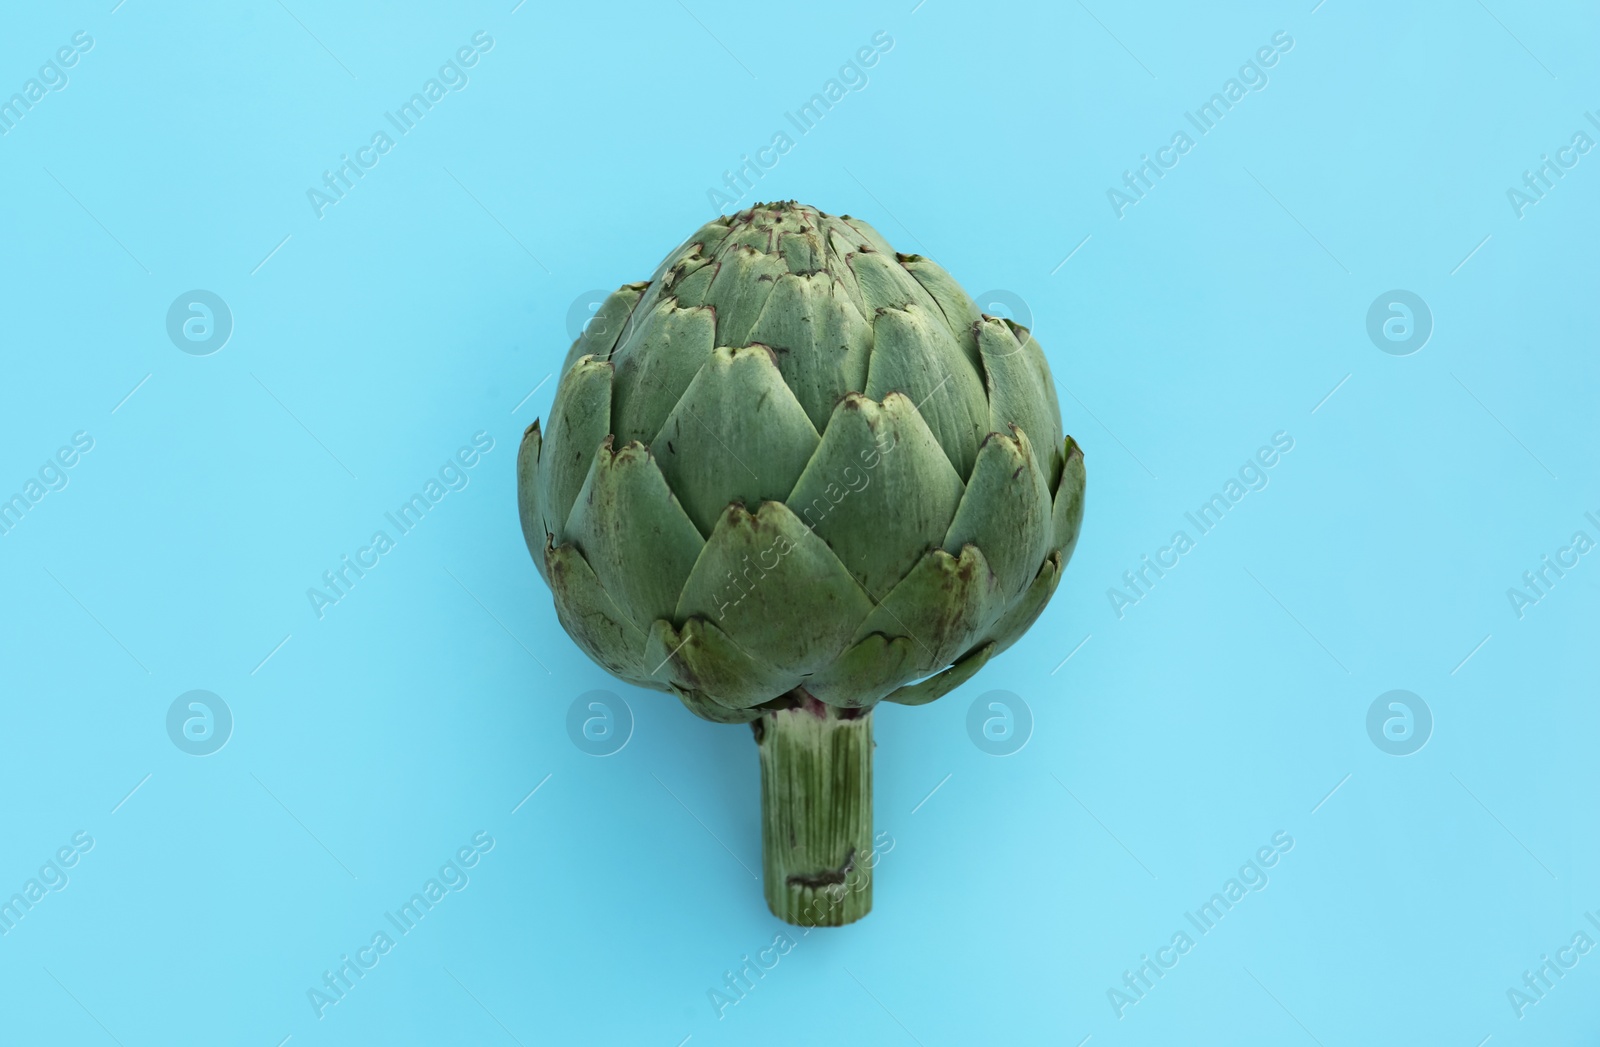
<point x="1224" y="707"/>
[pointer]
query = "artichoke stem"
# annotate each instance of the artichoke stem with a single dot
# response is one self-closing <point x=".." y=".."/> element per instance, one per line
<point x="816" y="812"/>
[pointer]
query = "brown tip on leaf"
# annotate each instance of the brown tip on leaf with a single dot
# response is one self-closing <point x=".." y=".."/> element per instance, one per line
<point x="531" y="429"/>
<point x="772" y="354"/>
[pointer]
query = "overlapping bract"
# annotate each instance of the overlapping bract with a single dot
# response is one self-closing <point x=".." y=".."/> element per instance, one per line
<point x="794" y="457"/>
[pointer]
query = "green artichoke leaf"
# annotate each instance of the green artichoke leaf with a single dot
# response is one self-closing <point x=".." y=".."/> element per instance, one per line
<point x="821" y="340"/>
<point x="1021" y="391"/>
<point x="802" y="251"/>
<point x="1006" y="512"/>
<point x="668" y="285"/>
<point x="707" y="708"/>
<point x="879" y="490"/>
<point x="960" y="311"/>
<point x="738" y="434"/>
<point x="684" y="266"/>
<point x="745" y="278"/>
<point x="655" y="365"/>
<point x="873" y="238"/>
<point x="701" y="658"/>
<point x="760" y="233"/>
<point x="885" y="284"/>
<point x="528" y="513"/>
<point x="915" y="354"/>
<point x="943" y="605"/>
<point x="633" y="533"/>
<point x="703" y="242"/>
<point x="844" y="241"/>
<point x="579" y="419"/>
<point x="936" y="687"/>
<point x="1067" y="516"/>
<point x="774" y="588"/>
<point x="862" y="675"/>
<point x="840" y="249"/>
<point x="605" y="327"/>
<point x="593" y="619"/>
<point x="692" y="284"/>
<point x="1022" y="614"/>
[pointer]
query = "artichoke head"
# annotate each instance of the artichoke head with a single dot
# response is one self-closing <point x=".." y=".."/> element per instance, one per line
<point x="797" y="459"/>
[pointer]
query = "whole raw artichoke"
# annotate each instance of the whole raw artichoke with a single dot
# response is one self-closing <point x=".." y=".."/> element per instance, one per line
<point x="791" y="476"/>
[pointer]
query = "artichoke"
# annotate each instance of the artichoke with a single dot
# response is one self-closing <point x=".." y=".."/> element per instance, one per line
<point x="791" y="476"/>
